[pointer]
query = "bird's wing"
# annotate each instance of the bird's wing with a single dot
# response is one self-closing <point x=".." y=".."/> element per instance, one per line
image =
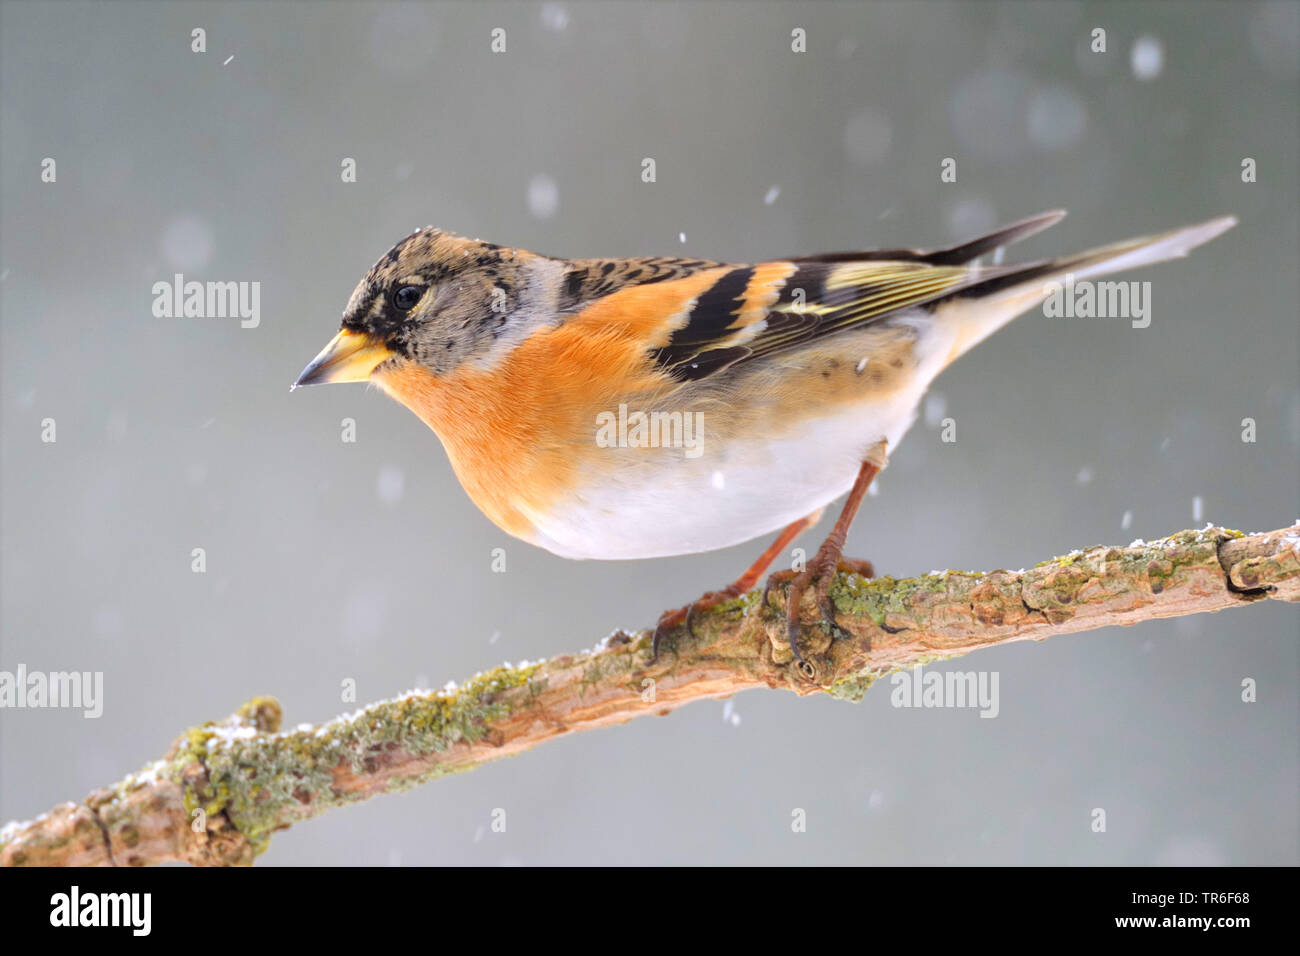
<point x="712" y="315"/>
<point x="952" y="255"/>
<point x="751" y="311"/>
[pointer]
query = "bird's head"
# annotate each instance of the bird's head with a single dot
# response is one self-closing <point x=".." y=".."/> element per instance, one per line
<point x="435" y="299"/>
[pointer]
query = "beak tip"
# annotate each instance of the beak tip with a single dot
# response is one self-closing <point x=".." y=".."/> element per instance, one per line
<point x="349" y="357"/>
<point x="305" y="377"/>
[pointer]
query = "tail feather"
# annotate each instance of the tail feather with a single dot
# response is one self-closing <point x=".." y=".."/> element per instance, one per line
<point x="1116" y="257"/>
<point x="984" y="306"/>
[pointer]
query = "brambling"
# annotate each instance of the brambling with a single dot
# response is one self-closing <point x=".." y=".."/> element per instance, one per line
<point x="646" y="407"/>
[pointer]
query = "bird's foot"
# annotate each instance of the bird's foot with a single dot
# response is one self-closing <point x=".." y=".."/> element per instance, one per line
<point x="671" y="620"/>
<point x="819" y="574"/>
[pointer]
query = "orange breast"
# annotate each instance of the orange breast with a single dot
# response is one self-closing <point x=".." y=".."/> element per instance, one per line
<point x="521" y="433"/>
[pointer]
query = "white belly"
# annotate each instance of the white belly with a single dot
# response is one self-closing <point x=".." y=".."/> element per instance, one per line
<point x="726" y="495"/>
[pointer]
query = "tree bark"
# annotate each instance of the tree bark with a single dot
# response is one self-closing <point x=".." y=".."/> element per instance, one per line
<point x="223" y="788"/>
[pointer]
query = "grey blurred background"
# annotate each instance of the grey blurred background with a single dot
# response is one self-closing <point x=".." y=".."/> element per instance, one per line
<point x="329" y="561"/>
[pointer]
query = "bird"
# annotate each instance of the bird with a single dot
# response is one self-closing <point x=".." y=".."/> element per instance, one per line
<point x="628" y="408"/>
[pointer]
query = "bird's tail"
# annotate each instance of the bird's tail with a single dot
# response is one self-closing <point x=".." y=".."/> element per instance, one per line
<point x="983" y="306"/>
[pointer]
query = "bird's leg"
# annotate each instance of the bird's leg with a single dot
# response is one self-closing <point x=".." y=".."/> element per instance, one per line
<point x="829" y="558"/>
<point x="671" y="619"/>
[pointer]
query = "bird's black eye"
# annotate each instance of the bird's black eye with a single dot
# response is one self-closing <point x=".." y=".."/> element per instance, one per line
<point x="407" y="297"/>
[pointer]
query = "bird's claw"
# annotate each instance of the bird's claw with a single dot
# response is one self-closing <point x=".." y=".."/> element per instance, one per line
<point x="670" y="620"/>
<point x="820" y="571"/>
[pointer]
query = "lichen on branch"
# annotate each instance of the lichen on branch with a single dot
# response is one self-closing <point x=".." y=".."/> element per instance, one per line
<point x="223" y="788"/>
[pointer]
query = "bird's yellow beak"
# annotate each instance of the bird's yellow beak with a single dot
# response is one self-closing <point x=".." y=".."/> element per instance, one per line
<point x="350" y="357"/>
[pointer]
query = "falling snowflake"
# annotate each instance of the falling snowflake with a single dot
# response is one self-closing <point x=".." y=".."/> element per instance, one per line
<point x="543" y="196"/>
<point x="1147" y="58"/>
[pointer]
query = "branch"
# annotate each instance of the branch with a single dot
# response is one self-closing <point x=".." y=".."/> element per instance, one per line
<point x="223" y="788"/>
